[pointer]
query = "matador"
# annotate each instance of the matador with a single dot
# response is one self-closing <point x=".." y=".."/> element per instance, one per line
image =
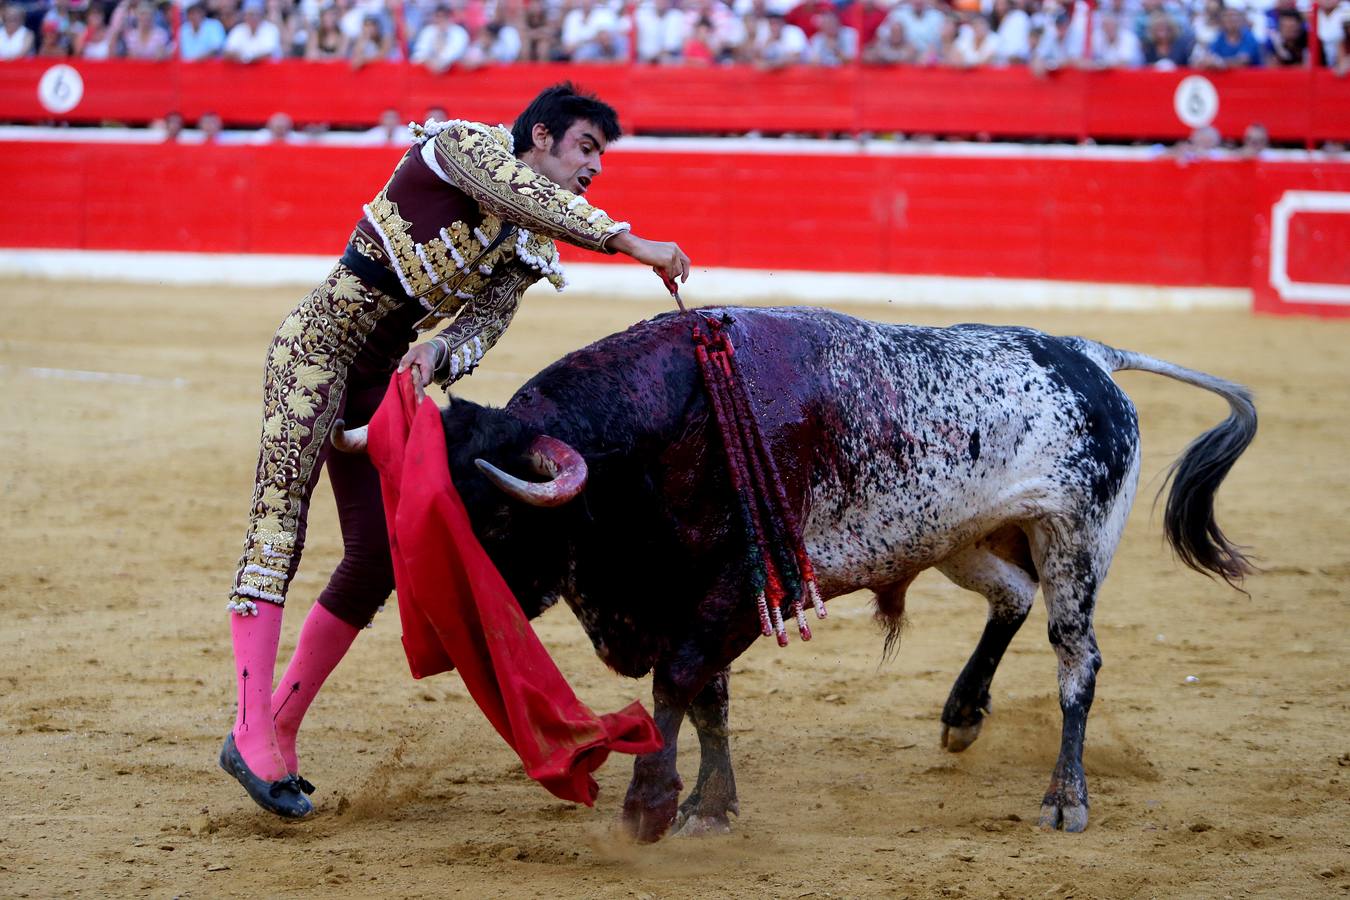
<point x="465" y="224"/>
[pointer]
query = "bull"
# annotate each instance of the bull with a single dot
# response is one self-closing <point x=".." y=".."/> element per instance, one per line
<point x="1006" y="458"/>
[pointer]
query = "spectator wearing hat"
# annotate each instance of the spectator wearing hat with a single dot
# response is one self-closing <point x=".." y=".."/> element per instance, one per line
<point x="254" y="38"/>
<point x="441" y="42"/>
<point x="201" y="37"/>
<point x="16" y="39"/>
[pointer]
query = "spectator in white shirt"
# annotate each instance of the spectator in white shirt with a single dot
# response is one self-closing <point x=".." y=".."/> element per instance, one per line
<point x="923" y="26"/>
<point x="1114" y="47"/>
<point x="1333" y="17"/>
<point x="1013" y="27"/>
<point x="891" y="46"/>
<point x="591" y="33"/>
<point x="662" y="29"/>
<point x="16" y="40"/>
<point x="200" y="37"/>
<point x="441" y="42"/>
<point x="254" y="38"/>
<point x="497" y="44"/>
<point x="776" y="43"/>
<point x="976" y="44"/>
<point x="833" y="44"/>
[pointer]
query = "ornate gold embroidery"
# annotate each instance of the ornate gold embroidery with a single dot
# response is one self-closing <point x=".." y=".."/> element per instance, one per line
<point x="484" y="319"/>
<point x="305" y="383"/>
<point x="479" y="162"/>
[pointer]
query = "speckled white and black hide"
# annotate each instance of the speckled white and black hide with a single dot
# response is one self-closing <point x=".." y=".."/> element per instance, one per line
<point x="1004" y="457"/>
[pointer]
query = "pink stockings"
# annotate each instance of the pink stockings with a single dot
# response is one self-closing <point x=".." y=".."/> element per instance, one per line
<point x="266" y="724"/>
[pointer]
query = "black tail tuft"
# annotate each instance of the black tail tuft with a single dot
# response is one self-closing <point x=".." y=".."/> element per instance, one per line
<point x="1195" y="477"/>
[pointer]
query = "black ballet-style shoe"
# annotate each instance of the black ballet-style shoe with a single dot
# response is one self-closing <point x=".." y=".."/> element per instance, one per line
<point x="285" y="797"/>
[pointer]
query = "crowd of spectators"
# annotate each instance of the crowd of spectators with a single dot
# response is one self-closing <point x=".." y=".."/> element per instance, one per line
<point x="440" y="34"/>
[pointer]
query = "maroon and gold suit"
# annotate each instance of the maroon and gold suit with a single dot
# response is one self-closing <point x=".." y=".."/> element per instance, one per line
<point x="459" y="232"/>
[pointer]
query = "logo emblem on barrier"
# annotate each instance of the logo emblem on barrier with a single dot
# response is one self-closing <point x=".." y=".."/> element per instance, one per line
<point x="1196" y="101"/>
<point x="60" y="89"/>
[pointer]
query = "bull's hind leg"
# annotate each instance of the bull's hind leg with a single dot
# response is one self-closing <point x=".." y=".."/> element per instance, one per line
<point x="999" y="567"/>
<point x="707" y="808"/>
<point x="1073" y="564"/>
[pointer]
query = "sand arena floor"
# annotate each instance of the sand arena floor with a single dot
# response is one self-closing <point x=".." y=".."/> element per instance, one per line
<point x="123" y="506"/>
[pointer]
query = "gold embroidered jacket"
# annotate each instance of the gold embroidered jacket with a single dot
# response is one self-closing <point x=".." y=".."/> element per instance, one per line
<point x="439" y="220"/>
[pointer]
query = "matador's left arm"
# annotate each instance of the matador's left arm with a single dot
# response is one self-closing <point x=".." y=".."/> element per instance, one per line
<point x="478" y="325"/>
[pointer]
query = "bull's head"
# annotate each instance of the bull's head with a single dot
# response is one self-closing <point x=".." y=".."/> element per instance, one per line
<point x="492" y="457"/>
<point x="565" y="468"/>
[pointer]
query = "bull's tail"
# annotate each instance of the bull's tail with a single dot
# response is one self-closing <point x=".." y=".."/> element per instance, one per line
<point x="1188" y="518"/>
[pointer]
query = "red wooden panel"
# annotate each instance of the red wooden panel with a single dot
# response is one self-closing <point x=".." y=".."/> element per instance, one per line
<point x="1319" y="248"/>
<point x="44" y="195"/>
<point x="1146" y="222"/>
<point x="1294" y="104"/>
<point x="1298" y="203"/>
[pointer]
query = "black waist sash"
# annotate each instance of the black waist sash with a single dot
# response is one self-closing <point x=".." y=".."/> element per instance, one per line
<point x="372" y="273"/>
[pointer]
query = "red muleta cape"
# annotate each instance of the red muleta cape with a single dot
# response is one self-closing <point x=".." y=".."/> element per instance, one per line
<point x="457" y="612"/>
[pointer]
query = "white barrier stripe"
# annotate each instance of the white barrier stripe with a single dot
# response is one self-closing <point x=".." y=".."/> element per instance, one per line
<point x="706" y="286"/>
<point x="107" y="377"/>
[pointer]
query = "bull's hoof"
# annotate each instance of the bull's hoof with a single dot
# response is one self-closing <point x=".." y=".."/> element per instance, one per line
<point x="648" y="825"/>
<point x="956" y="738"/>
<point x="1072" y="818"/>
<point x="702" y="826"/>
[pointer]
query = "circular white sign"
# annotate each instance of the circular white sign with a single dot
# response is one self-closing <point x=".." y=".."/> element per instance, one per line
<point x="1196" y="101"/>
<point x="61" y="89"/>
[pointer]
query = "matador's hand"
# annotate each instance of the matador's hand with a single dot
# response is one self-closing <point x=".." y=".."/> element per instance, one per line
<point x="421" y="360"/>
<point x="665" y="257"/>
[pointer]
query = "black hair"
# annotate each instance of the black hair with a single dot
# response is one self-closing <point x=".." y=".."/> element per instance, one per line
<point x="556" y="108"/>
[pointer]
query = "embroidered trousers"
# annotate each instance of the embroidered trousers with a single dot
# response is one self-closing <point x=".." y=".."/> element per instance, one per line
<point x="330" y="358"/>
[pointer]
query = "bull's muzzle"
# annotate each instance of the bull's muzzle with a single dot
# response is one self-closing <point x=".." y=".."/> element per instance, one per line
<point x="564" y="466"/>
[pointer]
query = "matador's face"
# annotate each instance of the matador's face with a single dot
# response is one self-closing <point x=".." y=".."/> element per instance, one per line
<point x="574" y="161"/>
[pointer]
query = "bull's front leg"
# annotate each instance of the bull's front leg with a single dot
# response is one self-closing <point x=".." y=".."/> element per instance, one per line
<point x="707" y="808"/>
<point x="653" y="796"/>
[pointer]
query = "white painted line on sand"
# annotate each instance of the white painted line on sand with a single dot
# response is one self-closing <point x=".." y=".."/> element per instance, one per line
<point x="105" y="377"/>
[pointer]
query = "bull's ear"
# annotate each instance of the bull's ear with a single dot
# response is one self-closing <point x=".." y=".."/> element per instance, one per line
<point x="564" y="467"/>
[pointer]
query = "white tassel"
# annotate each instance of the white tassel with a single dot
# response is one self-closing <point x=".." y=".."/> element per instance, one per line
<point x="242" y="607"/>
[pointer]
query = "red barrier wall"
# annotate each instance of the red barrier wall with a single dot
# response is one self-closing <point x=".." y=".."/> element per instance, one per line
<point x="1295" y="104"/>
<point x="1084" y="219"/>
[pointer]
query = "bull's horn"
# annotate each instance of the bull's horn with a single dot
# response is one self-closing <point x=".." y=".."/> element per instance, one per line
<point x="353" y="441"/>
<point x="549" y="456"/>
